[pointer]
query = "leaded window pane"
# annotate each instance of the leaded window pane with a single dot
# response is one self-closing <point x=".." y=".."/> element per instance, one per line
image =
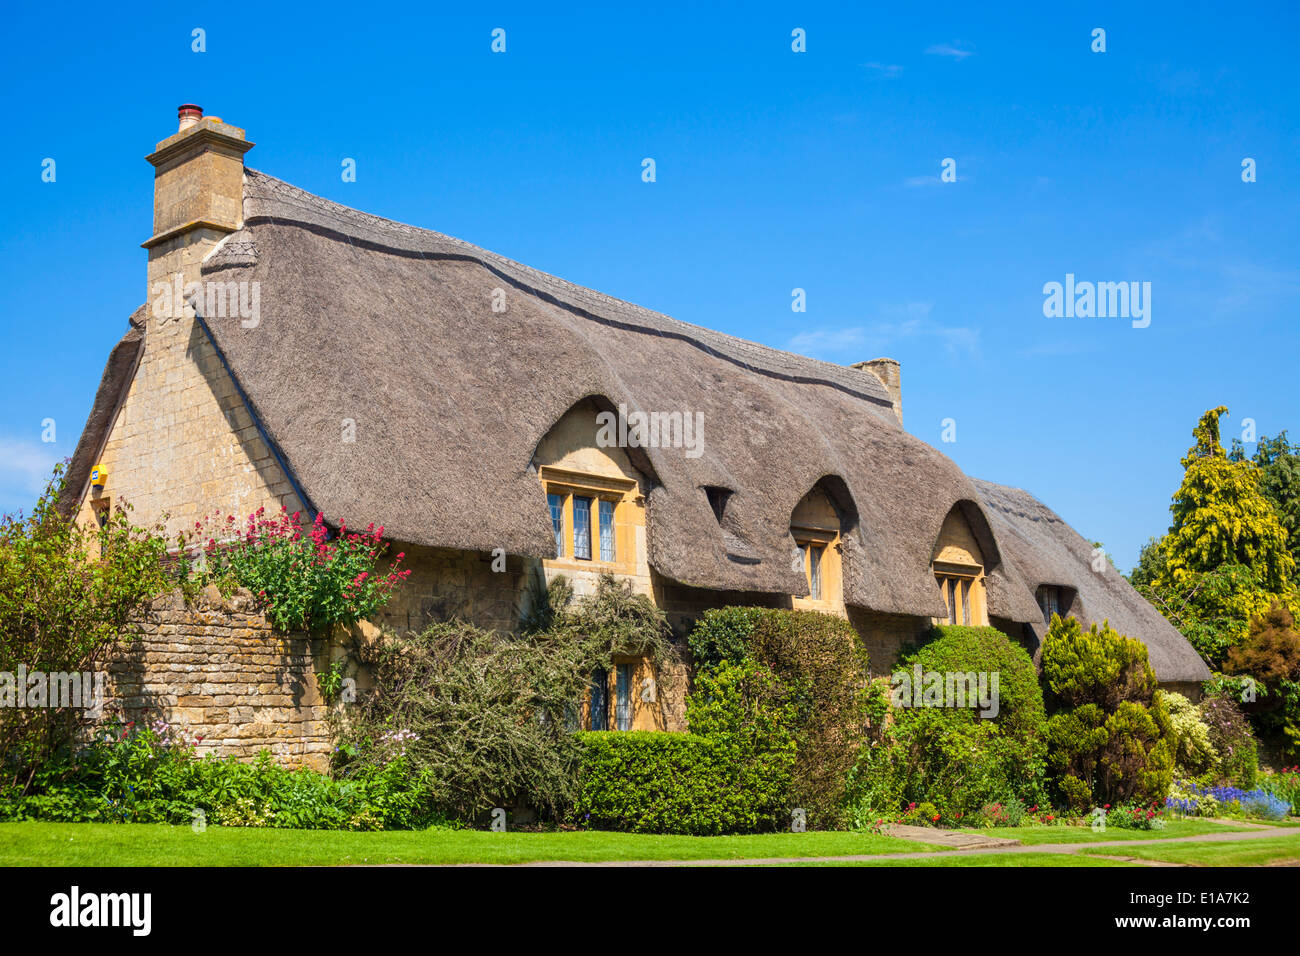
<point x="556" y="503"/>
<point x="582" y="528"/>
<point x="606" y="530"/>
<point x="599" y="708"/>
<point x="623" y="698"/>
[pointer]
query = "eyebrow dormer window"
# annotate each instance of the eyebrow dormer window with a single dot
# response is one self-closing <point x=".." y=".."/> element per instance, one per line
<point x="815" y="528"/>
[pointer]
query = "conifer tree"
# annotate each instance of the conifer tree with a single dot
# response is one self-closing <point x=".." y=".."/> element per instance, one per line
<point x="1221" y="517"/>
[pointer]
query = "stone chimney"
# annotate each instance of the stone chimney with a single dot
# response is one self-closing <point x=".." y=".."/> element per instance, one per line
<point x="198" y="195"/>
<point x="889" y="373"/>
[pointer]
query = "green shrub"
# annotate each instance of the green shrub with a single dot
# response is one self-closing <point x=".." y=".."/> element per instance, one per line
<point x="1195" y="753"/>
<point x="731" y="774"/>
<point x="153" y="776"/>
<point x="817" y="659"/>
<point x="309" y="581"/>
<point x="1230" y="734"/>
<point x="956" y="649"/>
<point x="658" y="782"/>
<point x="1097" y="666"/>
<point x="1108" y="758"/>
<point x="66" y="596"/>
<point x="950" y="756"/>
<point x="1110" y="739"/>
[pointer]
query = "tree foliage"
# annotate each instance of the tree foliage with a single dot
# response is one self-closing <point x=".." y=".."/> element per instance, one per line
<point x="1227" y="556"/>
<point x="1278" y="461"/>
<point x="1221" y="516"/>
<point x="66" y="596"/>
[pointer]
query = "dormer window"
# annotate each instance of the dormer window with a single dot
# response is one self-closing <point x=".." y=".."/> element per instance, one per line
<point x="587" y="519"/>
<point x="815" y="527"/>
<point x="958" y="567"/>
<point x="957" y="583"/>
<point x="1051" y="600"/>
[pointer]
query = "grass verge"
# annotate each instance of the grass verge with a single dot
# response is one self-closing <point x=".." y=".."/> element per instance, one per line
<point x="130" y="844"/>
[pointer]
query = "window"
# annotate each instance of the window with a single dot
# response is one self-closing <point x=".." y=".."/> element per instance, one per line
<point x="599" y="717"/>
<point x="556" y="503"/>
<point x="623" y="696"/>
<point x="956" y="590"/>
<point x="582" y="528"/>
<point x="815" y="528"/>
<point x="606" y="530"/>
<point x="1049" y="600"/>
<point x="815" y="571"/>
<point x="592" y="519"/>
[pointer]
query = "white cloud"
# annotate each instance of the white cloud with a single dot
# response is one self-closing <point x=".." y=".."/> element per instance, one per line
<point x="955" y="50"/>
<point x="25" y="468"/>
<point x="883" y="69"/>
<point x="897" y="323"/>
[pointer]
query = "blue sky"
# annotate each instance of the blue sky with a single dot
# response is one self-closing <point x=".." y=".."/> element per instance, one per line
<point x="775" y="170"/>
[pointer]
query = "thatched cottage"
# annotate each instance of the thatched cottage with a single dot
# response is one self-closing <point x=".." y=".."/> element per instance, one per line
<point x="333" y="361"/>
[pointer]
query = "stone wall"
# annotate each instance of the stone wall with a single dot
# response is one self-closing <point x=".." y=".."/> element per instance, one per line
<point x="218" y="670"/>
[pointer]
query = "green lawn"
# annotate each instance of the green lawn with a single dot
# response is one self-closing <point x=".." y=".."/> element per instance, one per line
<point x="988" y="859"/>
<point x="1031" y="836"/>
<point x="128" y="844"/>
<point x="1245" y="853"/>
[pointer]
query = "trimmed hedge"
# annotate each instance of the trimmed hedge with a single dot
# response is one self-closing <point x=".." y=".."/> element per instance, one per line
<point x="823" y="669"/>
<point x="950" y="756"/>
<point x="956" y="648"/>
<point x="649" y="781"/>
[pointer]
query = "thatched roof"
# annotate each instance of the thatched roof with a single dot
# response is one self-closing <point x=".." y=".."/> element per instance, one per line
<point x="113" y="384"/>
<point x="393" y="327"/>
<point x="1047" y="551"/>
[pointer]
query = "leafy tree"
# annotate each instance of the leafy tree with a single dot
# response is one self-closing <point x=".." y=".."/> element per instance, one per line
<point x="1222" y="517"/>
<point x="1226" y="558"/>
<point x="66" y="596"/>
<point x="1271" y="655"/>
<point x="1212" y="609"/>
<point x="1271" y="652"/>
<point x="1279" y="463"/>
